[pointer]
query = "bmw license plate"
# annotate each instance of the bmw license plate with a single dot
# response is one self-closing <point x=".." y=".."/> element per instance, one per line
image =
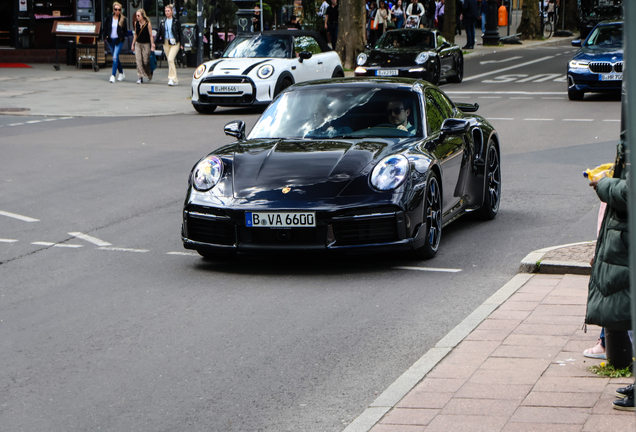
<point x="224" y="89"/>
<point x="280" y="219"/>
<point x="612" y="77"/>
<point x="386" y="72"/>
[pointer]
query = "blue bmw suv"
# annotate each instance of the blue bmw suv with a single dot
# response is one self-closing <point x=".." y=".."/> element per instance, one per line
<point x="598" y="65"/>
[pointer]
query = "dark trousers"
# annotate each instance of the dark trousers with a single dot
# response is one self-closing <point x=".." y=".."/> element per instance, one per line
<point x="469" y="23"/>
<point x="333" y="33"/>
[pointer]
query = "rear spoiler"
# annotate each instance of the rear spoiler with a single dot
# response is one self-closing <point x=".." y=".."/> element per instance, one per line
<point x="466" y="107"/>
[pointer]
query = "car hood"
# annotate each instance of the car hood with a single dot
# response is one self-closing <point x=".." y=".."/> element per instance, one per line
<point x="599" y="54"/>
<point x="311" y="169"/>
<point x="393" y="57"/>
<point x="236" y="66"/>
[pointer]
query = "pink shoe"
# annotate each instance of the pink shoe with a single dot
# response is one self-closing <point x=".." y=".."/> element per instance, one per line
<point x="597" y="351"/>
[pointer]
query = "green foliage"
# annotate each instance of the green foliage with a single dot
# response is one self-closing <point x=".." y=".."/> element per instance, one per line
<point x="606" y="369"/>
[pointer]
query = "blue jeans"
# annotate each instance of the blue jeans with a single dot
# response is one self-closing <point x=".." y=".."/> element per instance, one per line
<point x="470" y="32"/>
<point x="399" y="23"/>
<point x="115" y="48"/>
<point x="483" y="22"/>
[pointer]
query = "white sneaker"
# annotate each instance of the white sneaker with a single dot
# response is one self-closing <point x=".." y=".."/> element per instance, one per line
<point x="121" y="77"/>
<point x="112" y="78"/>
<point x="140" y="80"/>
<point x="170" y="82"/>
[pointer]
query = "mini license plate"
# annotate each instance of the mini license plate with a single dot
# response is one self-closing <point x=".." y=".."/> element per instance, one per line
<point x="386" y="72"/>
<point x="224" y="89"/>
<point x="280" y="219"/>
<point x="612" y="77"/>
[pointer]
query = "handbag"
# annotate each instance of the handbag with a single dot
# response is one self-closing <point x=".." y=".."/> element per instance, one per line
<point x="153" y="61"/>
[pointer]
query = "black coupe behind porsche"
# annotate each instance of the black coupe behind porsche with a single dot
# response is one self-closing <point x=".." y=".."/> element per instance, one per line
<point x="345" y="165"/>
<point x="413" y="53"/>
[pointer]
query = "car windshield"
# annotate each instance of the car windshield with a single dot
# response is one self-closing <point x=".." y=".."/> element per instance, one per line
<point x="605" y="12"/>
<point x="336" y="112"/>
<point x="606" y="37"/>
<point x="258" y="47"/>
<point x="406" y="39"/>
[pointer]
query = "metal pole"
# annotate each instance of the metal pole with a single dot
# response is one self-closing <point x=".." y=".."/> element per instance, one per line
<point x="628" y="121"/>
<point x="199" y="32"/>
<point x="563" y="19"/>
<point x="262" y="13"/>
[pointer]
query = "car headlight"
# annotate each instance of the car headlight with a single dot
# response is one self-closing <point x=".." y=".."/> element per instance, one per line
<point x="199" y="72"/>
<point x="575" y="64"/>
<point x="207" y="173"/>
<point x="265" y="71"/>
<point x="390" y="172"/>
<point x="360" y="70"/>
<point x="421" y="58"/>
<point x="362" y="59"/>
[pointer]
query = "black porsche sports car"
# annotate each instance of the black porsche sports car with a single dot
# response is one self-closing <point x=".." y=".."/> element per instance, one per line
<point x="345" y="164"/>
<point x="413" y="53"/>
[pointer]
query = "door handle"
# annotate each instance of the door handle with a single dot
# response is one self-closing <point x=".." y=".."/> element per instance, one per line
<point x="320" y="62"/>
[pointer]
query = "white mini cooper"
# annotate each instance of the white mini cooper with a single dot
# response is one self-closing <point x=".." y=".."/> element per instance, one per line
<point x="256" y="67"/>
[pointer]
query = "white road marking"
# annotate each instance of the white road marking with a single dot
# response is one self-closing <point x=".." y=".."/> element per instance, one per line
<point x="43" y="243"/>
<point x="533" y="119"/>
<point x="609" y="120"/>
<point x="7" y="241"/>
<point x="90" y="239"/>
<point x="118" y="249"/>
<point x="489" y="97"/>
<point x="500" y="118"/>
<point x="500" y="61"/>
<point x="578" y="120"/>
<point x="521" y="98"/>
<point x="34" y="121"/>
<point x="508" y="68"/>
<point x="429" y="269"/>
<point x="183" y="253"/>
<point x="540" y="78"/>
<point x="17" y="216"/>
<point x="553" y="98"/>
<point x="62" y="245"/>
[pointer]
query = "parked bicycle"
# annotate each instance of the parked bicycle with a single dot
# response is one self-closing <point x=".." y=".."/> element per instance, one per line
<point x="546" y="24"/>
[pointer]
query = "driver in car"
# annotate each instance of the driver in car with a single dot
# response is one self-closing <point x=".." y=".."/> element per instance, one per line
<point x="399" y="115"/>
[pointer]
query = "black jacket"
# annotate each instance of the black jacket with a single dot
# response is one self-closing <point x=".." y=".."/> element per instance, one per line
<point x="176" y="31"/>
<point x="471" y="10"/>
<point x="108" y="26"/>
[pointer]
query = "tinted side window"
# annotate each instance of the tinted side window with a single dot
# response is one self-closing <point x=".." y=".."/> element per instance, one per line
<point x="306" y="43"/>
<point x="444" y="104"/>
<point x="434" y="116"/>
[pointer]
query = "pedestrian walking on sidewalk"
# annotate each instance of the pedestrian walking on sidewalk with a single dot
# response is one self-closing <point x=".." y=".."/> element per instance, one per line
<point x="609" y="300"/>
<point x="397" y="14"/>
<point x="429" y="13"/>
<point x="483" y="8"/>
<point x="114" y="32"/>
<point x="171" y="37"/>
<point x="439" y="15"/>
<point x="331" y="22"/>
<point x="471" y="13"/>
<point x="143" y="42"/>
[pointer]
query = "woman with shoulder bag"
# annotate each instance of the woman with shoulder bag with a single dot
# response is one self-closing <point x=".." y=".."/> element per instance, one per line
<point x="144" y="43"/>
<point x="170" y="36"/>
<point x="398" y="14"/>
<point x="115" y="32"/>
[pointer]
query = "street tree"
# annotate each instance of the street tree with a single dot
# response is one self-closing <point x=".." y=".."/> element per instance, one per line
<point x="530" y="24"/>
<point x="571" y="16"/>
<point x="450" y="7"/>
<point x="351" y="31"/>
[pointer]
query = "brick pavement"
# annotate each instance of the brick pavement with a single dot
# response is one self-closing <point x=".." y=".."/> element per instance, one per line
<point x="521" y="369"/>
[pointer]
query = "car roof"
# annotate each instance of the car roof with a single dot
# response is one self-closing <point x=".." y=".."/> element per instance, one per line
<point x="406" y="84"/>
<point x="295" y="33"/>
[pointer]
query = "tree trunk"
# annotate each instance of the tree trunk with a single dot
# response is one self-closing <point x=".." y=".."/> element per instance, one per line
<point x="530" y="25"/>
<point x="449" y="20"/>
<point x="351" y="31"/>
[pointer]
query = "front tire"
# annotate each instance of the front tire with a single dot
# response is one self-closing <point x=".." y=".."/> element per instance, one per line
<point x="205" y="109"/>
<point x="436" y="73"/>
<point x="432" y="223"/>
<point x="492" y="188"/>
<point x="575" y="95"/>
<point x="282" y="86"/>
<point x="459" y="75"/>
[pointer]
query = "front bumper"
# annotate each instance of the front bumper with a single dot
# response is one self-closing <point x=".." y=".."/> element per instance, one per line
<point x="586" y="81"/>
<point x="372" y="228"/>
<point x="237" y="91"/>
<point x="415" y="71"/>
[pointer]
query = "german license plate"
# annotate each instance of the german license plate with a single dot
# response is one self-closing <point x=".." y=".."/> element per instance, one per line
<point x="386" y="72"/>
<point x="280" y="219"/>
<point x="612" y="77"/>
<point x="224" y="89"/>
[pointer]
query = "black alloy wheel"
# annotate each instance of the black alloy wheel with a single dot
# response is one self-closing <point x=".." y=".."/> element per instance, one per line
<point x="492" y="189"/>
<point x="432" y="223"/>
<point x="436" y="72"/>
<point x="459" y="73"/>
<point x="205" y="109"/>
<point x="283" y="85"/>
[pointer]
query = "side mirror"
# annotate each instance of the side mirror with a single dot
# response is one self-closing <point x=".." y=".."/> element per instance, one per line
<point x="236" y="129"/>
<point x="304" y="55"/>
<point x="217" y="54"/>
<point x="576" y="43"/>
<point x="453" y="126"/>
<point x="445" y="44"/>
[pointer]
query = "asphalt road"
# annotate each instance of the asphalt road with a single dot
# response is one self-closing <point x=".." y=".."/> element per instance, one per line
<point x="117" y="327"/>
